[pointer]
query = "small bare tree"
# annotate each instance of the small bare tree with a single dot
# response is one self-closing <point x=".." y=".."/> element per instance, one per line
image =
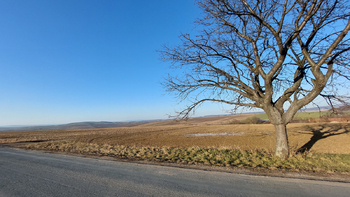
<point x="277" y="55"/>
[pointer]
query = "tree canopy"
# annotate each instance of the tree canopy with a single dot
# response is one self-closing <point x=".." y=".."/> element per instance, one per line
<point x="276" y="55"/>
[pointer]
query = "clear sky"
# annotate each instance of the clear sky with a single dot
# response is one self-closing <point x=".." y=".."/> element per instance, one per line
<point x="87" y="60"/>
<point x="65" y="61"/>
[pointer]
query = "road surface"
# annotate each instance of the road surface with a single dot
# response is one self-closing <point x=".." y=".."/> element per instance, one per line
<point x="33" y="173"/>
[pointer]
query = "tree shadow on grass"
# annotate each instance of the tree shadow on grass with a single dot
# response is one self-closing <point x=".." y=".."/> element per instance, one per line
<point x="324" y="131"/>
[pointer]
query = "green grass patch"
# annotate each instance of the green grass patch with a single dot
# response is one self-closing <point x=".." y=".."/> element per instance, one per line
<point x="315" y="115"/>
<point x="316" y="162"/>
<point x="262" y="116"/>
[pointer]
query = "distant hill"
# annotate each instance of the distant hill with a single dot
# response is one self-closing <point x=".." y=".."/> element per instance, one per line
<point x="204" y="120"/>
<point x="343" y="108"/>
<point x="321" y="108"/>
<point x="76" y="125"/>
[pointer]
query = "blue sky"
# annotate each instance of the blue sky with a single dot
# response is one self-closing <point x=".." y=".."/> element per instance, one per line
<point x="84" y="60"/>
<point x="65" y="61"/>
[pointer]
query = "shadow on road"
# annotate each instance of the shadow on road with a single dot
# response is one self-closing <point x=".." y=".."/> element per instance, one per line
<point x="324" y="131"/>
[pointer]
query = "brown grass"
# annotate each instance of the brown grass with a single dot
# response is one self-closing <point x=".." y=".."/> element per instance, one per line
<point x="257" y="159"/>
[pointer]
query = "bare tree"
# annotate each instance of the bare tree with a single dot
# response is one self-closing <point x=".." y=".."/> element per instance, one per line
<point x="277" y="55"/>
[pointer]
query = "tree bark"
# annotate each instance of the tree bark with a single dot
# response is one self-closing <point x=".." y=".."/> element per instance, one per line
<point x="282" y="149"/>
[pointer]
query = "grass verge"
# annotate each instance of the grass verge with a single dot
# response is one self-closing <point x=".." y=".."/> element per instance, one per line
<point x="312" y="162"/>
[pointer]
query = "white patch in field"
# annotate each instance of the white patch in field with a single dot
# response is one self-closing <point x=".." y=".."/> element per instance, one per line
<point x="212" y="134"/>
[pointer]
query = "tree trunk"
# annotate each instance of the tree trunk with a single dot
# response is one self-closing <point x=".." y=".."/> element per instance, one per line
<point x="282" y="147"/>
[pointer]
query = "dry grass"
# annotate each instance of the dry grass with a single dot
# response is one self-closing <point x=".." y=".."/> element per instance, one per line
<point x="207" y="156"/>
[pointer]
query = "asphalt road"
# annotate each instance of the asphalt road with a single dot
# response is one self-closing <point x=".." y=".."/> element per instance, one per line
<point x="32" y="173"/>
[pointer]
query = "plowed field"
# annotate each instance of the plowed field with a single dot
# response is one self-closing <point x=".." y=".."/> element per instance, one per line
<point x="210" y="132"/>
